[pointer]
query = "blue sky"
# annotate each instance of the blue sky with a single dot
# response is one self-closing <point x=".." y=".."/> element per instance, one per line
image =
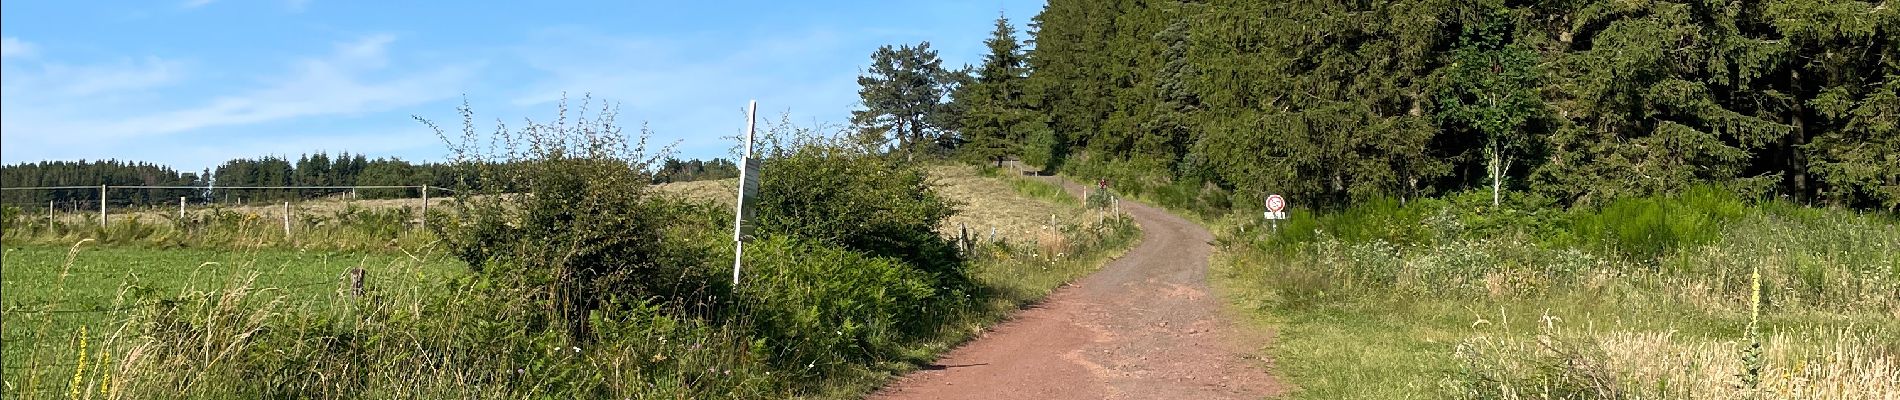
<point x="193" y="83"/>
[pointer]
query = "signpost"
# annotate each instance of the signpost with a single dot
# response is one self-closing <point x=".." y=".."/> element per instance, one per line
<point x="748" y="192"/>
<point x="1276" y="210"/>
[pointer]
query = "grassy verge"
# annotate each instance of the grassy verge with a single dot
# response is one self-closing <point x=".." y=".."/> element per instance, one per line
<point x="139" y="316"/>
<point x="1643" y="298"/>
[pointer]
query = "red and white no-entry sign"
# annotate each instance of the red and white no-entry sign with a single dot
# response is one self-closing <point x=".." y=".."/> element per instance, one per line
<point x="1276" y="208"/>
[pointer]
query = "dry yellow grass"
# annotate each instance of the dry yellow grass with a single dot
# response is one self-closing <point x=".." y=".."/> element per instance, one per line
<point x="986" y="204"/>
<point x="1840" y="367"/>
<point x="722" y="191"/>
<point x="990" y="203"/>
<point x="1649" y="364"/>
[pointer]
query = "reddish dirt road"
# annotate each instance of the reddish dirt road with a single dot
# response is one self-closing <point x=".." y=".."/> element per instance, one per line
<point x="1144" y="327"/>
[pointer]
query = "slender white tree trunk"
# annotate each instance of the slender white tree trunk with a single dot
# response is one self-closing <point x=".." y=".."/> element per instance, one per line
<point x="1497" y="174"/>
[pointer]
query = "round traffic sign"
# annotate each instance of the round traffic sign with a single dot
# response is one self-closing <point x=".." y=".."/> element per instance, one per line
<point x="1275" y="203"/>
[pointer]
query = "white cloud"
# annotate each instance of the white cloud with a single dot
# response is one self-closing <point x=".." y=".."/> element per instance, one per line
<point x="11" y="47"/>
<point x="120" y="76"/>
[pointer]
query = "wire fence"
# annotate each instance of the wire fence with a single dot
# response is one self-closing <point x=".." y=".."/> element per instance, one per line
<point x="104" y="204"/>
<point x="88" y="198"/>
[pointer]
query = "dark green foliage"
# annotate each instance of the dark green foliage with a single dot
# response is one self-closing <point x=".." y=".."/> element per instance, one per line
<point x="1488" y="91"/>
<point x="1044" y="148"/>
<point x="1581" y="102"/>
<point x="993" y="110"/>
<point x="93" y="174"/>
<point x="674" y="170"/>
<point x="903" y="93"/>
<point x="317" y="169"/>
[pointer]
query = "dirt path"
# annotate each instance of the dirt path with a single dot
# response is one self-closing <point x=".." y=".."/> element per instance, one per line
<point x="1144" y="327"/>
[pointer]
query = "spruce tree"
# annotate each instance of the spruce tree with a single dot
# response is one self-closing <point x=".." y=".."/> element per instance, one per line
<point x="996" y="118"/>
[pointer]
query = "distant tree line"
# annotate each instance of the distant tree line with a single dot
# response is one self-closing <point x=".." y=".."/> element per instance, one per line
<point x="674" y="170"/>
<point x="92" y="174"/>
<point x="1576" y="101"/>
<point x="317" y="169"/>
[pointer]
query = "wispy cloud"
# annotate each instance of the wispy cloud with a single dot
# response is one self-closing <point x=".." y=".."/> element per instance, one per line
<point x="11" y="47"/>
<point x="50" y="106"/>
<point x="198" y="3"/>
<point x="688" y="87"/>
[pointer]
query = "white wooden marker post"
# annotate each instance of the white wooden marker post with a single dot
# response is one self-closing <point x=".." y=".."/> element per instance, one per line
<point x="102" y="205"/>
<point x="748" y="190"/>
<point x="181" y="208"/>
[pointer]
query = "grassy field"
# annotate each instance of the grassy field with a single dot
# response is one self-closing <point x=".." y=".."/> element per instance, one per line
<point x="80" y="319"/>
<point x="1644" y="298"/>
<point x="53" y="293"/>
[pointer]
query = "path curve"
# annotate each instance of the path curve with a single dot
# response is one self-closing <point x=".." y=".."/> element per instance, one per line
<point x="1144" y="327"/>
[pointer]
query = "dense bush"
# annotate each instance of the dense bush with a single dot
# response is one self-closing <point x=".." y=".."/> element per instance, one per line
<point x="577" y="230"/>
<point x="848" y="197"/>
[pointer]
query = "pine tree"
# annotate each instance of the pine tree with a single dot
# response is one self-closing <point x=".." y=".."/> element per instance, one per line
<point x="903" y="93"/>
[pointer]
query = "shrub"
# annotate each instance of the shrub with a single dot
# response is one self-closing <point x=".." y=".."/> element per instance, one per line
<point x="819" y="308"/>
<point x="12" y="218"/>
<point x="850" y="198"/>
<point x="1100" y="198"/>
<point x="578" y="227"/>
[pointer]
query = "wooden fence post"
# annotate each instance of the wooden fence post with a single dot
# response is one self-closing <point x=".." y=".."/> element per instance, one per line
<point x="963" y="238"/>
<point x="286" y="220"/>
<point x="102" y="206"/>
<point x="181" y="208"/>
<point x="356" y="281"/>
<point x="425" y="207"/>
<point x="49" y="214"/>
